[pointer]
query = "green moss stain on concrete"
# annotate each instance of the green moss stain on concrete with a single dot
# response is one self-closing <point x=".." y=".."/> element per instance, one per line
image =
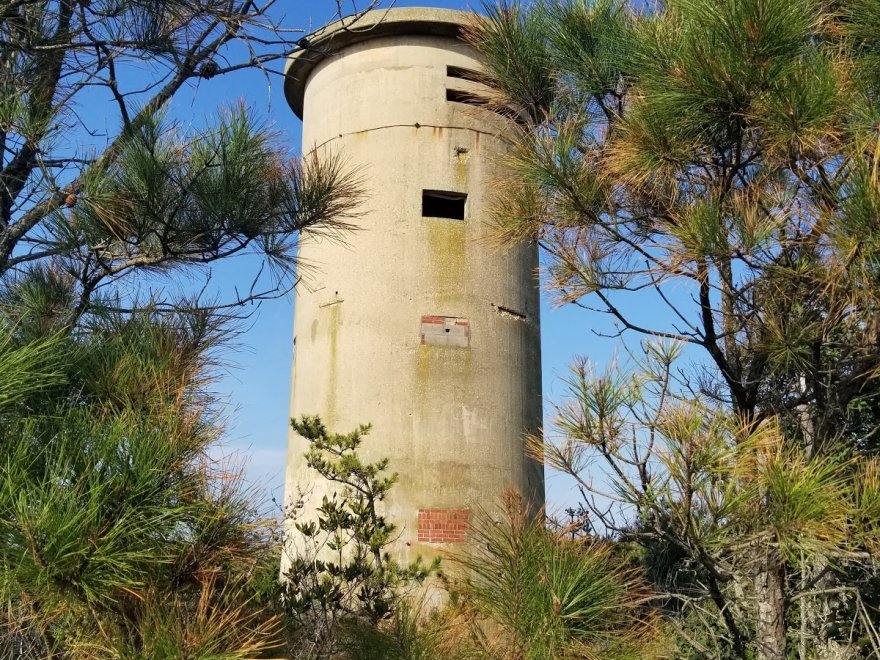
<point x="423" y="373"/>
<point x="436" y="366"/>
<point x="461" y="170"/>
<point x="334" y="314"/>
<point x="447" y="243"/>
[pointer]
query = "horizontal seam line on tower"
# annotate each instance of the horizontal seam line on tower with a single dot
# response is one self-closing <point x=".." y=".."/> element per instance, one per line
<point x="415" y="125"/>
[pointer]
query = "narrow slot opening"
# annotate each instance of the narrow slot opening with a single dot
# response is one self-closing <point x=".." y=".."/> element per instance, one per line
<point x="443" y="204"/>
<point x="463" y="74"/>
<point x="459" y="96"/>
<point x="469" y="98"/>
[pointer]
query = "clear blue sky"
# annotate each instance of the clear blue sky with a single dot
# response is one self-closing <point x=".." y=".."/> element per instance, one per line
<point x="257" y="388"/>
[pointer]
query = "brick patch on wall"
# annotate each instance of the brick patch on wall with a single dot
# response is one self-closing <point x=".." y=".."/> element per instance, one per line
<point x="446" y="331"/>
<point x="443" y="525"/>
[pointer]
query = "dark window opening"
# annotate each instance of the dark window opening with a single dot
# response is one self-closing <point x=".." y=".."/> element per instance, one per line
<point x="459" y="96"/>
<point x="441" y="204"/>
<point x="469" y="98"/>
<point x="463" y="74"/>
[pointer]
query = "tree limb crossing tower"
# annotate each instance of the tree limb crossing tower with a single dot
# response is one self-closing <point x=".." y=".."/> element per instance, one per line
<point x="417" y="324"/>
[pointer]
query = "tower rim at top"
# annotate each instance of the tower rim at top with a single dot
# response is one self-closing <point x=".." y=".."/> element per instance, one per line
<point x="400" y="21"/>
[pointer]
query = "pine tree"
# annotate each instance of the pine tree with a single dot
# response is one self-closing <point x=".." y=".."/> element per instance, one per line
<point x="341" y="581"/>
<point x="119" y="535"/>
<point x="718" y="158"/>
<point x="150" y="197"/>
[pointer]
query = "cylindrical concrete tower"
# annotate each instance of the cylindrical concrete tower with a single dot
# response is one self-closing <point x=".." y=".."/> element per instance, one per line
<point x="417" y="323"/>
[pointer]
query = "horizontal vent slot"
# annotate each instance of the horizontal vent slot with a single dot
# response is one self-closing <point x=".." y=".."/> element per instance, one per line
<point x="469" y="98"/>
<point x="459" y="96"/>
<point x="463" y="74"/>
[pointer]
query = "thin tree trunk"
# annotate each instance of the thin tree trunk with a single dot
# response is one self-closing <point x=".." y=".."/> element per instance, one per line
<point x="807" y="605"/>
<point x="805" y="610"/>
<point x="770" y="595"/>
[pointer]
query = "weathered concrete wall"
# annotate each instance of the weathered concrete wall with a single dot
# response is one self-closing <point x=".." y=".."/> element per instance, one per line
<point x="369" y="346"/>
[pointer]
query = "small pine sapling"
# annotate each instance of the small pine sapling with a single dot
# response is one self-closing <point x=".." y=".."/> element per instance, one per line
<point x="341" y="570"/>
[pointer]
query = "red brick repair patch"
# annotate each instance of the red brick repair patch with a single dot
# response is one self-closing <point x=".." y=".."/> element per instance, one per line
<point x="443" y="525"/>
<point x="446" y="331"/>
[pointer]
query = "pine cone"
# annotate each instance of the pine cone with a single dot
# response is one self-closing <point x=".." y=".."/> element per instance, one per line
<point x="208" y="69"/>
<point x="70" y="200"/>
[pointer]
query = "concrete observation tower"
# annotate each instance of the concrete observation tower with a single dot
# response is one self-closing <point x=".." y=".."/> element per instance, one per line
<point x="417" y="324"/>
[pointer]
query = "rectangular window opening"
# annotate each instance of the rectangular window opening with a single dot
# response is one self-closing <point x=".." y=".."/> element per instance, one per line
<point x="443" y="204"/>
<point x="463" y="74"/>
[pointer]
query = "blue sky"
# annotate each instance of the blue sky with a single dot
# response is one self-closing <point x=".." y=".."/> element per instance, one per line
<point x="257" y="386"/>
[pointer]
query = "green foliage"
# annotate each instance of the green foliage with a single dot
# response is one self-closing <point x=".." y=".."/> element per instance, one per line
<point x="120" y="536"/>
<point x="26" y="369"/>
<point x="553" y="597"/>
<point x="151" y="197"/>
<point x="189" y="199"/>
<point x="711" y="498"/>
<point x="414" y="632"/>
<point x="717" y="160"/>
<point x="525" y="80"/>
<point x="340" y="570"/>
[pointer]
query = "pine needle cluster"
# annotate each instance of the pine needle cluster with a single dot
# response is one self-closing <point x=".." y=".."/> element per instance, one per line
<point x="121" y="537"/>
